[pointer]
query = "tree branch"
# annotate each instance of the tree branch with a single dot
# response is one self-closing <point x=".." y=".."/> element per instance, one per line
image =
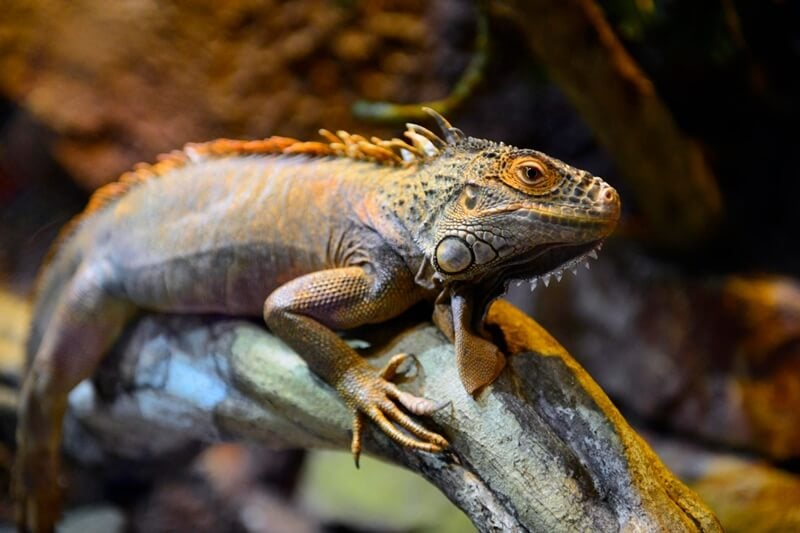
<point x="542" y="449"/>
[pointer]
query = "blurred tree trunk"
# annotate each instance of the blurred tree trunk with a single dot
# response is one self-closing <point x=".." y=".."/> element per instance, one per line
<point x="675" y="188"/>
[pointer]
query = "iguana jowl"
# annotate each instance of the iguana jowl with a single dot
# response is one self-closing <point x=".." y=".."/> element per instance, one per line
<point x="317" y="237"/>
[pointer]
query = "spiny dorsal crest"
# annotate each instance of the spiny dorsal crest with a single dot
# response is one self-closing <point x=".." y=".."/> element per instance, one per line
<point x="423" y="145"/>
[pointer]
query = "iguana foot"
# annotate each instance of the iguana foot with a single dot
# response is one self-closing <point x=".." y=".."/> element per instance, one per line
<point x="377" y="398"/>
<point x="36" y="491"/>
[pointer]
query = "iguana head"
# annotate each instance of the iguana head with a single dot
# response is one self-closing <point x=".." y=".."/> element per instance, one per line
<point x="512" y="214"/>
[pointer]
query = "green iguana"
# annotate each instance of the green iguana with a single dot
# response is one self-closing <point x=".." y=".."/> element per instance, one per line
<point x="316" y="237"/>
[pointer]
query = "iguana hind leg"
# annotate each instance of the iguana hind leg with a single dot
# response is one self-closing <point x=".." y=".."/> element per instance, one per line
<point x="304" y="312"/>
<point x="86" y="321"/>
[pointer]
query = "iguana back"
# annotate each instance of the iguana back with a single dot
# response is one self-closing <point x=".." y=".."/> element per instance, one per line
<point x="234" y="214"/>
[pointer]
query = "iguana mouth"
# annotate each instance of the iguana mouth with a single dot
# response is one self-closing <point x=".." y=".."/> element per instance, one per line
<point x="552" y="262"/>
<point x="546" y="263"/>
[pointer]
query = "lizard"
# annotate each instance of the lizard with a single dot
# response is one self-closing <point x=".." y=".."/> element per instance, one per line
<point x="315" y="237"/>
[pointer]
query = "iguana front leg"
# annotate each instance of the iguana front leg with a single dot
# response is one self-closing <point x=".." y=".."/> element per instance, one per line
<point x="478" y="360"/>
<point x="305" y="311"/>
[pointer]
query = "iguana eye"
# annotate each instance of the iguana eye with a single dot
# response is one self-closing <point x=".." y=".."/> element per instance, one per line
<point x="531" y="176"/>
<point x="531" y="173"/>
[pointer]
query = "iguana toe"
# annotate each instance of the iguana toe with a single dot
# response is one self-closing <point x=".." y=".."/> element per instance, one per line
<point x="377" y="398"/>
<point x="390" y="370"/>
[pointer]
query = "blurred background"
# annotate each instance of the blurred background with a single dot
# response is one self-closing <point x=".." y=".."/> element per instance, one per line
<point x="690" y="320"/>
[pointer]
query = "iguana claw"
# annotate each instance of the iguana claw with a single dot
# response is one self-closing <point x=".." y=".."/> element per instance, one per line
<point x="378" y="401"/>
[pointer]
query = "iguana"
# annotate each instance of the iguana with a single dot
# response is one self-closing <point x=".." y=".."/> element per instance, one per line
<point x="315" y="237"/>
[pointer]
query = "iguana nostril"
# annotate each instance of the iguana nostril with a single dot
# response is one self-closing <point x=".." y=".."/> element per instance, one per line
<point x="610" y="195"/>
<point x="453" y="255"/>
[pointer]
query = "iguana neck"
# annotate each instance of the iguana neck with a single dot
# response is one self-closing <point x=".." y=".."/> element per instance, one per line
<point x="404" y="207"/>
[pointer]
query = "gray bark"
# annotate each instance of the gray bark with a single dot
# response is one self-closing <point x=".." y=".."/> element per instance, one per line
<point x="541" y="449"/>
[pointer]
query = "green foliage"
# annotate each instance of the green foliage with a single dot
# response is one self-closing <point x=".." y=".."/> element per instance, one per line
<point x="377" y="495"/>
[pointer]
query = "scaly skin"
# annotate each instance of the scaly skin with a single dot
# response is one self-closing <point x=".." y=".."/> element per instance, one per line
<point x="315" y="237"/>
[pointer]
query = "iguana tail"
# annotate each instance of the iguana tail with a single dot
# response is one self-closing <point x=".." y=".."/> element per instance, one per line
<point x="47" y="291"/>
